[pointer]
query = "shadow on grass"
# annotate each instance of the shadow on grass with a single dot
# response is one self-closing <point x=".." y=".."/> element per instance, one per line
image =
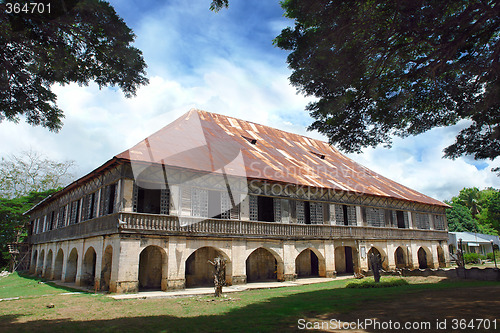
<point x="281" y="313"/>
<point x="38" y="279"/>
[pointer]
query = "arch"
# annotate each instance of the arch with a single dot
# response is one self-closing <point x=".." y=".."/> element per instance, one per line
<point x="71" y="266"/>
<point x="380" y="252"/>
<point x="199" y="272"/>
<point x="346" y="260"/>
<point x="441" y="257"/>
<point x="424" y="258"/>
<point x="39" y="263"/>
<point x="307" y="264"/>
<point x="58" y="265"/>
<point x="107" y="261"/>
<point x="34" y="260"/>
<point x="263" y="265"/>
<point x="400" y="258"/>
<point x="152" y="268"/>
<point x="48" y="264"/>
<point x="88" y="267"/>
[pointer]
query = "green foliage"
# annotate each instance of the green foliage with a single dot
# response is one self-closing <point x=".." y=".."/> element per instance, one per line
<point x="475" y="210"/>
<point x="370" y="283"/>
<point x="473" y="258"/>
<point x="78" y="41"/>
<point x="490" y="255"/>
<point x="460" y="219"/>
<point x="12" y="220"/>
<point x="398" y="67"/>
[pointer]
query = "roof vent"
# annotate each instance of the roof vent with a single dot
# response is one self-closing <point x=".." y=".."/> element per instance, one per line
<point x="318" y="154"/>
<point x="251" y="140"/>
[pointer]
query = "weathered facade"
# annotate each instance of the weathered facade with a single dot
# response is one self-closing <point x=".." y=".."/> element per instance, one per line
<point x="275" y="205"/>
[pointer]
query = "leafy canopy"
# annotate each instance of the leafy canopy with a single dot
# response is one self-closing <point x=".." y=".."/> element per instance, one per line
<point x="78" y="41"/>
<point x="398" y="67"/>
<point x="12" y="220"/>
<point x="475" y="210"/>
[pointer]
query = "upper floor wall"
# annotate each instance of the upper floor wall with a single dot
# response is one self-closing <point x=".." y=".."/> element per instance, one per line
<point x="190" y="194"/>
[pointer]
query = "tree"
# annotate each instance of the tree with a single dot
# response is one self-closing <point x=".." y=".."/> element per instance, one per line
<point x="398" y="67"/>
<point x="30" y="171"/>
<point x="475" y="210"/>
<point x="70" y="41"/>
<point x="460" y="219"/>
<point x="12" y="220"/>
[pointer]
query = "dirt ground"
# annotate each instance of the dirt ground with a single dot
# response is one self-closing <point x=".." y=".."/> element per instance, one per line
<point x="454" y="310"/>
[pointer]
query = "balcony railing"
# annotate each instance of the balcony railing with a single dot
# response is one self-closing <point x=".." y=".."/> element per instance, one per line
<point x="192" y="226"/>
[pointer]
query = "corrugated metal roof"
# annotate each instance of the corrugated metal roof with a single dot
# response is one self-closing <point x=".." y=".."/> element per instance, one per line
<point x="207" y="142"/>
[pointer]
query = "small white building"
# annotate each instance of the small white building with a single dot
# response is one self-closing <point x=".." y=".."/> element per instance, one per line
<point x="472" y="242"/>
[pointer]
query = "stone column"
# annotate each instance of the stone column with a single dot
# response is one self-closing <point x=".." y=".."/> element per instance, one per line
<point x="176" y="278"/>
<point x="127" y="266"/>
<point x="390" y="249"/>
<point x="329" y="259"/>
<point x="289" y="251"/>
<point x="238" y="259"/>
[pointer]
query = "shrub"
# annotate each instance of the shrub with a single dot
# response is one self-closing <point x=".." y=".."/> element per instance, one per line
<point x="490" y="255"/>
<point x="471" y="258"/>
<point x="370" y="283"/>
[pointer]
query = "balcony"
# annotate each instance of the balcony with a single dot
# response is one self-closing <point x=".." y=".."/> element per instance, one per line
<point x="150" y="224"/>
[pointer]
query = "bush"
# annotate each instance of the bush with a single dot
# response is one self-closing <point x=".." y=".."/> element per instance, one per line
<point x="370" y="283"/>
<point x="490" y="255"/>
<point x="473" y="258"/>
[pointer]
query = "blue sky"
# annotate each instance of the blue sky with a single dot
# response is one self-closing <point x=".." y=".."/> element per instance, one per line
<point x="224" y="63"/>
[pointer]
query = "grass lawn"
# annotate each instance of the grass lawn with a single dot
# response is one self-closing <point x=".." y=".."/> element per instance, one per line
<point x="270" y="310"/>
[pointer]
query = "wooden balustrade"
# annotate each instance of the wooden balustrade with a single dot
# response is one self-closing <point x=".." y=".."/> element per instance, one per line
<point x="193" y="226"/>
<point x="163" y="224"/>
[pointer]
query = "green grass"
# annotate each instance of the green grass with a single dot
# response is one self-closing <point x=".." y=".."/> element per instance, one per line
<point x="15" y="285"/>
<point x="269" y="310"/>
<point x="385" y="282"/>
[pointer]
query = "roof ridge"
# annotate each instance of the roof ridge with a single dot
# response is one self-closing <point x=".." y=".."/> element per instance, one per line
<point x="253" y="122"/>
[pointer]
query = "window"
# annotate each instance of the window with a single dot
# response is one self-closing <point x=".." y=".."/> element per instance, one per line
<point x="400" y="218"/>
<point x="265" y="208"/>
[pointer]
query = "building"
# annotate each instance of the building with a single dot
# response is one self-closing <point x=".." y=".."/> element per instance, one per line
<point x="275" y="205"/>
<point x="472" y="242"/>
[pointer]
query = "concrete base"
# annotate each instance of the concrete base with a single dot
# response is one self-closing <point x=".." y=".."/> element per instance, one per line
<point x="289" y="277"/>
<point x="125" y="287"/>
<point x="176" y="284"/>
<point x="241" y="279"/>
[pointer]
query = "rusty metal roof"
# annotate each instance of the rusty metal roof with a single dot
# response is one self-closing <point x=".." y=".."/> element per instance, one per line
<point x="207" y="142"/>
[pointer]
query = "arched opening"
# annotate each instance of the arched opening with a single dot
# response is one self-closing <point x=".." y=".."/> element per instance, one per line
<point x="107" y="260"/>
<point x="422" y="258"/>
<point x="71" y="266"/>
<point x="199" y="272"/>
<point x="34" y="259"/>
<point x="151" y="268"/>
<point x="307" y="264"/>
<point x="441" y="258"/>
<point x="345" y="260"/>
<point x="88" y="269"/>
<point x="58" y="265"/>
<point x="261" y="265"/>
<point x="48" y="265"/>
<point x="400" y="257"/>
<point x="381" y="255"/>
<point x="39" y="265"/>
